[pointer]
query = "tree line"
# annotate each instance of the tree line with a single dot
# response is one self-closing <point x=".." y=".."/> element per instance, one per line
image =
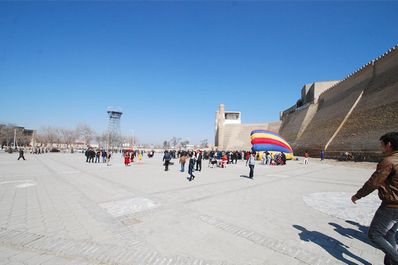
<point x="56" y="136"/>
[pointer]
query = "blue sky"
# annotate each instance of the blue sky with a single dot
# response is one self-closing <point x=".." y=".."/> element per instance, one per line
<point x="169" y="65"/>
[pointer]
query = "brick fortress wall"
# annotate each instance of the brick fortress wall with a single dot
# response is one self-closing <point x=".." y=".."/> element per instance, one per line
<point x="351" y="115"/>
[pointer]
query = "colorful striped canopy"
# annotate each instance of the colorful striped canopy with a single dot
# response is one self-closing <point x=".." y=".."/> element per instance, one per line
<point x="263" y="140"/>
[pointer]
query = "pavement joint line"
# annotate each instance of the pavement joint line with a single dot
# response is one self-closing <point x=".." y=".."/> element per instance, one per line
<point x="211" y="195"/>
<point x="329" y="182"/>
<point x="119" y="235"/>
<point x="89" y="205"/>
<point x="281" y="247"/>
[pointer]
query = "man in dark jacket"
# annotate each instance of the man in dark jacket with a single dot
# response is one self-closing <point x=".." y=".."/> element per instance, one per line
<point x="385" y="221"/>
<point x="21" y="154"/>
<point x="190" y="167"/>
<point x="166" y="159"/>
<point x="199" y="162"/>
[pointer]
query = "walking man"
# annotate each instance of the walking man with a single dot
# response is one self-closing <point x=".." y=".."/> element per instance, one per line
<point x="251" y="161"/>
<point x="166" y="159"/>
<point x="21" y="154"/>
<point x="190" y="167"/>
<point x="199" y="161"/>
<point x="322" y="155"/>
<point x="384" y="225"/>
<point x="183" y="159"/>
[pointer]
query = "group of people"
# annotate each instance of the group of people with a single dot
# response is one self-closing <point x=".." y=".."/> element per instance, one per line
<point x="194" y="159"/>
<point x="95" y="156"/>
<point x="383" y="228"/>
<point x="130" y="155"/>
<point x="273" y="159"/>
<point x="219" y="159"/>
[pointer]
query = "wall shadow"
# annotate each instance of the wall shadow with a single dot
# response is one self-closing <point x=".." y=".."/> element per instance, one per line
<point x="334" y="247"/>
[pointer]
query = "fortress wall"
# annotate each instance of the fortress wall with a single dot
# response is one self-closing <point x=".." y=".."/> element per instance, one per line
<point x="331" y="111"/>
<point x="387" y="61"/>
<point x="292" y="123"/>
<point x="237" y="136"/>
<point x="374" y="114"/>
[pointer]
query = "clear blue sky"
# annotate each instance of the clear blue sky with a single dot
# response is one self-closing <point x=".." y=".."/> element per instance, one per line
<point x="169" y="65"/>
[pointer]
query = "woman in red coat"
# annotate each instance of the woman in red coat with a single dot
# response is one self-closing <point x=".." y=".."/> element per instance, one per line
<point x="126" y="159"/>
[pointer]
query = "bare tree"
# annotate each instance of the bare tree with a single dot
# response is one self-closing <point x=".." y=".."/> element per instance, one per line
<point x="184" y="143"/>
<point x="48" y="135"/>
<point x="22" y="137"/>
<point x="131" y="140"/>
<point x="166" y="144"/>
<point x="204" y="143"/>
<point x="85" y="133"/>
<point x="68" y="136"/>
<point x="173" y="141"/>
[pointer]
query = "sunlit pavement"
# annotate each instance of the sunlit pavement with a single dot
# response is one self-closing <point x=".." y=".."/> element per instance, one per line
<point x="58" y="209"/>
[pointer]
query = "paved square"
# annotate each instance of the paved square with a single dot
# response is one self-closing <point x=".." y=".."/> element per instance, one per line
<point x="58" y="209"/>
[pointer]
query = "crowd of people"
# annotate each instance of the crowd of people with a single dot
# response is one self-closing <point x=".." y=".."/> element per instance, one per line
<point x="97" y="156"/>
<point x="382" y="231"/>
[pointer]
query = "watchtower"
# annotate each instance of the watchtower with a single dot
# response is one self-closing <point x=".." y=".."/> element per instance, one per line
<point x="114" y="132"/>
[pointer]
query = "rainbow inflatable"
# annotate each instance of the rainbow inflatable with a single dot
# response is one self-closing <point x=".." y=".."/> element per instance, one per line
<point x="263" y="140"/>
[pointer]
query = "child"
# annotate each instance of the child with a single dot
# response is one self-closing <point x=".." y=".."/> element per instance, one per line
<point x="306" y="157"/>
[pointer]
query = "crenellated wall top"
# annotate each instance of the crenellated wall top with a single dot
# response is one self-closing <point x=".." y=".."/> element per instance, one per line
<point x="365" y="66"/>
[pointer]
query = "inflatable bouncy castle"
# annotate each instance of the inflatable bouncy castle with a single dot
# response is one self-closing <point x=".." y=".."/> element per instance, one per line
<point x="263" y="140"/>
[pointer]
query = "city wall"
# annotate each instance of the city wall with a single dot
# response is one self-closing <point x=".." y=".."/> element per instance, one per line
<point x="351" y="115"/>
<point x="237" y="136"/>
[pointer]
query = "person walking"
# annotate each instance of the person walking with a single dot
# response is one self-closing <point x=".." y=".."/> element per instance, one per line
<point x="108" y="158"/>
<point x="166" y="159"/>
<point x="21" y="154"/>
<point x="384" y="225"/>
<point x="251" y="161"/>
<point x="103" y="154"/>
<point x="126" y="159"/>
<point x="97" y="156"/>
<point x="190" y="167"/>
<point x="322" y="155"/>
<point x="183" y="160"/>
<point x="199" y="161"/>
<point x="87" y="154"/>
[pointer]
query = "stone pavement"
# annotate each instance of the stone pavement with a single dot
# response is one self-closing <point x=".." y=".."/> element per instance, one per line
<point x="57" y="209"/>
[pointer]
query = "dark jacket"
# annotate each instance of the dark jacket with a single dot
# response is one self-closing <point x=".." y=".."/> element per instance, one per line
<point x="191" y="164"/>
<point x="167" y="157"/>
<point x="385" y="179"/>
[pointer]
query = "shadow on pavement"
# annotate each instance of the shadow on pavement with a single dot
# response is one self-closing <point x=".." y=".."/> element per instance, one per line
<point x="360" y="234"/>
<point x="331" y="245"/>
<point x="244" y="176"/>
<point x="362" y="228"/>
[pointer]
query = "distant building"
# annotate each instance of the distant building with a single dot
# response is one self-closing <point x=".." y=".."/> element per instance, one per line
<point x="11" y="135"/>
<point x="231" y="134"/>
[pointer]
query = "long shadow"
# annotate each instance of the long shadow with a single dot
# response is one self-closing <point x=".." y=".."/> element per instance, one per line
<point x="244" y="176"/>
<point x="360" y="234"/>
<point x="331" y="245"/>
<point x="362" y="228"/>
